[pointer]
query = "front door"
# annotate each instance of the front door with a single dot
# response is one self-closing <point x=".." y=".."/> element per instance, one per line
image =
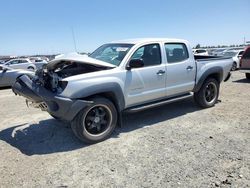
<point x="147" y="83"/>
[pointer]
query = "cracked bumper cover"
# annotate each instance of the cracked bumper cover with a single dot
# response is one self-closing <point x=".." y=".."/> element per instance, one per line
<point x="61" y="107"/>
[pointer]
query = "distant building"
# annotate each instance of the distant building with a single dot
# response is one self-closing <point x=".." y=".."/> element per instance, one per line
<point x="6" y="57"/>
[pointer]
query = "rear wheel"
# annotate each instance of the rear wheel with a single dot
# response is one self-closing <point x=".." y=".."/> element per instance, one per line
<point x="208" y="94"/>
<point x="31" y="68"/>
<point x="248" y="76"/>
<point x="96" y="122"/>
<point x="234" y="67"/>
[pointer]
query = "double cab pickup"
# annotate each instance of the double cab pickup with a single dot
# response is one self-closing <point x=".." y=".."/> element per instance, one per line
<point x="92" y="91"/>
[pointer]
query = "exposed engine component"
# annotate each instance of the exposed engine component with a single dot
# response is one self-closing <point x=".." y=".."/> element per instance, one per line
<point x="51" y="79"/>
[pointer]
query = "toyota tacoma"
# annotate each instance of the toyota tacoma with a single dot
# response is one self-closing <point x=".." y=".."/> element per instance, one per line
<point x="91" y="91"/>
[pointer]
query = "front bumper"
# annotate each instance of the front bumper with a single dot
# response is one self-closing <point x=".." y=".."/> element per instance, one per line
<point x="60" y="107"/>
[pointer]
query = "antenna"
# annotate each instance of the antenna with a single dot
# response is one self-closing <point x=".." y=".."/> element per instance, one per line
<point x="73" y="36"/>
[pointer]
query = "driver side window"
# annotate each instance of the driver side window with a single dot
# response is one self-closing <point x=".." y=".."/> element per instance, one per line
<point x="13" y="62"/>
<point x="150" y="54"/>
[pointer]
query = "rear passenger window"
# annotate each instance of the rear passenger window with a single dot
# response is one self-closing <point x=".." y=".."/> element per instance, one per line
<point x="150" y="54"/>
<point x="176" y="52"/>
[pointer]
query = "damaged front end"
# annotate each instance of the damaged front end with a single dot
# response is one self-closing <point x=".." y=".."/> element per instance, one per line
<point x="43" y="90"/>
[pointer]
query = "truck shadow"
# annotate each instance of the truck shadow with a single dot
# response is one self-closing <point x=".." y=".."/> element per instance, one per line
<point x="52" y="136"/>
<point x="242" y="81"/>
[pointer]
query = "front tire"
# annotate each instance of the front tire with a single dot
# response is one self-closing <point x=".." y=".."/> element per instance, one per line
<point x="248" y="76"/>
<point x="96" y="122"/>
<point x="208" y="94"/>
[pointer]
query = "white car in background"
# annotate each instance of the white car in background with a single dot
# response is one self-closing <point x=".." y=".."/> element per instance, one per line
<point x="200" y="52"/>
<point x="236" y="56"/>
<point x="40" y="63"/>
<point x="21" y="63"/>
<point x="219" y="52"/>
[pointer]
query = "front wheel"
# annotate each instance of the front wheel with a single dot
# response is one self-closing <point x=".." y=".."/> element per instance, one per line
<point x="248" y="76"/>
<point x="208" y="94"/>
<point x="96" y="122"/>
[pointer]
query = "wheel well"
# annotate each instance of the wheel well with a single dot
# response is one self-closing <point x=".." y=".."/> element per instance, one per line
<point x="216" y="76"/>
<point x="108" y="95"/>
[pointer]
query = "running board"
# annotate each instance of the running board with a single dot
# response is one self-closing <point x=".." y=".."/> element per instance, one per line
<point x="159" y="103"/>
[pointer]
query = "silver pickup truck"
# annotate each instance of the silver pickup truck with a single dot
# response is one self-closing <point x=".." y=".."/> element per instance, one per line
<point x="92" y="91"/>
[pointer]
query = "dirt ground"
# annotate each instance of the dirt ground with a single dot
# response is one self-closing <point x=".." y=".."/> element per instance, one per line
<point x="177" y="145"/>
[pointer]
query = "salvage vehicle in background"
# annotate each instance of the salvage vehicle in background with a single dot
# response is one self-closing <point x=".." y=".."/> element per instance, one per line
<point x="39" y="63"/>
<point x="236" y="55"/>
<point x="245" y="63"/>
<point x="8" y="75"/>
<point x="200" y="52"/>
<point x="218" y="52"/>
<point x="93" y="91"/>
<point x="22" y="63"/>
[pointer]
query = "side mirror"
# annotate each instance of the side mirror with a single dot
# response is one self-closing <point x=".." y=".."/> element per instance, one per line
<point x="4" y="70"/>
<point x="135" y="63"/>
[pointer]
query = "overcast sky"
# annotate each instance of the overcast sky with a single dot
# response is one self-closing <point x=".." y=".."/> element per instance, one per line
<point x="45" y="27"/>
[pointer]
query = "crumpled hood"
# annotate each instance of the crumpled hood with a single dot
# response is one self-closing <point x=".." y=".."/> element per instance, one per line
<point x="78" y="58"/>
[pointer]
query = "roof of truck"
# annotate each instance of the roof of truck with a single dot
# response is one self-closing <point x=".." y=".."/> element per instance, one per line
<point x="144" y="40"/>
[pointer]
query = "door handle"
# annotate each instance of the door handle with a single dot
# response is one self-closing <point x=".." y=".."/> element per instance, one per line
<point x="160" y="72"/>
<point x="190" y="68"/>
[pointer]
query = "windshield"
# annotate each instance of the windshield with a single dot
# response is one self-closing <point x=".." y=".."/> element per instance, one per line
<point x="230" y="54"/>
<point x="111" y="53"/>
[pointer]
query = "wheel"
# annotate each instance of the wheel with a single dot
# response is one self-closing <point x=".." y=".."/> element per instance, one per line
<point x="248" y="76"/>
<point x="234" y="67"/>
<point x="208" y="94"/>
<point x="31" y="68"/>
<point x="96" y="122"/>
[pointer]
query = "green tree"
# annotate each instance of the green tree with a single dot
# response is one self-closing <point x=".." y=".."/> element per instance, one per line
<point x="197" y="46"/>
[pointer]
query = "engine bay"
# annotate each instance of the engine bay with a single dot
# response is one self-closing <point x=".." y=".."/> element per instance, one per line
<point x="51" y="77"/>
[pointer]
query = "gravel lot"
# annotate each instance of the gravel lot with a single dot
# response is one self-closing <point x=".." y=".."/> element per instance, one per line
<point x="177" y="145"/>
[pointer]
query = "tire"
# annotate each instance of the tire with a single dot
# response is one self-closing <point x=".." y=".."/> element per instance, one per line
<point x="208" y="94"/>
<point x="234" y="67"/>
<point x="248" y="76"/>
<point x="89" y="124"/>
<point x="31" y="68"/>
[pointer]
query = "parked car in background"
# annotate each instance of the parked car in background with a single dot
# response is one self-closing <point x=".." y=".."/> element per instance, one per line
<point x="21" y="63"/>
<point x="200" y="52"/>
<point x="8" y="75"/>
<point x="245" y="63"/>
<point x="236" y="55"/>
<point x="219" y="52"/>
<point x="40" y="63"/>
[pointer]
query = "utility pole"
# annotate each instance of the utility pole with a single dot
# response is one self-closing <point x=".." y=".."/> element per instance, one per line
<point x="73" y="36"/>
<point x="244" y="40"/>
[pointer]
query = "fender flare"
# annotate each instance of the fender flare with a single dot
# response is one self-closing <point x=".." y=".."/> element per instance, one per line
<point x="112" y="87"/>
<point x="218" y="71"/>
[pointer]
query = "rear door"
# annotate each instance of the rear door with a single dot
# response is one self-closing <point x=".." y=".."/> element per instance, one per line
<point x="181" y="69"/>
<point x="147" y="83"/>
